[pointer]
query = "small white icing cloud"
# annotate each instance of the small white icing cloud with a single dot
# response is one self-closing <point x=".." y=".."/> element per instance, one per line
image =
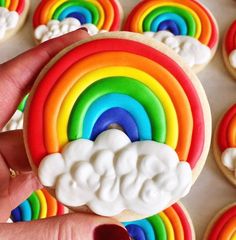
<point x="16" y="122"/>
<point x="8" y="20"/>
<point x="189" y="48"/>
<point x="232" y="58"/>
<point x="112" y="174"/>
<point x="228" y="159"/>
<point x="55" y="28"/>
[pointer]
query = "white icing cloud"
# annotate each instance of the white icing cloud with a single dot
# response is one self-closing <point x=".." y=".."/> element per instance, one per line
<point x="113" y="174"/>
<point x="55" y="28"/>
<point x="232" y="58"/>
<point x="228" y="159"/>
<point x="8" y="20"/>
<point x="189" y="48"/>
<point x="16" y="122"/>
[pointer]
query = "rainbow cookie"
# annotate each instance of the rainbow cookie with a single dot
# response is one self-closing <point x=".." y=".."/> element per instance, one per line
<point x="12" y="14"/>
<point x="125" y="80"/>
<point x="229" y="49"/>
<point x="225" y="144"/>
<point x="39" y="205"/>
<point x="223" y="226"/>
<point x="54" y="18"/>
<point x="174" y="223"/>
<point x="184" y="25"/>
<point x="16" y="121"/>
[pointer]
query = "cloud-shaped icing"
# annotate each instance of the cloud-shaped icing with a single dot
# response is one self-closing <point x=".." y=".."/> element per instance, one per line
<point x="228" y="159"/>
<point x="16" y="122"/>
<point x="55" y="28"/>
<point x="113" y="174"/>
<point x="232" y="58"/>
<point x="8" y="20"/>
<point x="189" y="48"/>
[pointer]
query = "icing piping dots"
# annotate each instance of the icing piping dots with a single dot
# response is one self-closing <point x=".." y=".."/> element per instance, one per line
<point x="230" y="44"/>
<point x="227" y="138"/>
<point x="39" y="205"/>
<point x="224" y="226"/>
<point x="70" y="105"/>
<point x="180" y="17"/>
<point x="103" y="14"/>
<point x="170" y="224"/>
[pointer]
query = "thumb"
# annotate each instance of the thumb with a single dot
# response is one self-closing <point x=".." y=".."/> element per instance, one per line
<point x="66" y="227"/>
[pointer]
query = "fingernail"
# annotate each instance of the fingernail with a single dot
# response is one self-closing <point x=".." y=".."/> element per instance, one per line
<point x="84" y="29"/>
<point x="110" y="232"/>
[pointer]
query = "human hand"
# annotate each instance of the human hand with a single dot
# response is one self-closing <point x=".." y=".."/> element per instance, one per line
<point x="16" y="78"/>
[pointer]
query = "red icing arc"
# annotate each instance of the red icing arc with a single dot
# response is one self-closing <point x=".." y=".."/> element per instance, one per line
<point x="221" y="222"/>
<point x="35" y="114"/>
<point x="230" y="39"/>
<point x="185" y="222"/>
<point x="21" y="6"/>
<point x="223" y="128"/>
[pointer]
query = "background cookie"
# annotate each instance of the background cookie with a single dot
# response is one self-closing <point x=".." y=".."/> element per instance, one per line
<point x="16" y="121"/>
<point x="229" y="49"/>
<point x="173" y="223"/>
<point x="124" y="76"/>
<point x="184" y="25"/>
<point x="52" y="18"/>
<point x="223" y="226"/>
<point x="224" y="145"/>
<point x="39" y="205"/>
<point x="13" y="14"/>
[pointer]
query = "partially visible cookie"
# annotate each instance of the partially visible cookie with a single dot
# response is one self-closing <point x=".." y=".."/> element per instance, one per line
<point x="186" y="26"/>
<point x="224" y="145"/>
<point x="229" y="49"/>
<point x="223" y="225"/>
<point x="12" y="17"/>
<point x="39" y="205"/>
<point x="52" y="18"/>
<point x="174" y="223"/>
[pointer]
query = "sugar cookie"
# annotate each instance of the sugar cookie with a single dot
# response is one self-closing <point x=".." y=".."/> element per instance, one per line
<point x="223" y="226"/>
<point x="54" y="18"/>
<point x="174" y="223"/>
<point x="12" y="14"/>
<point x="136" y="83"/>
<point x="229" y="49"/>
<point x="39" y="205"/>
<point x="224" y="145"/>
<point x="186" y="26"/>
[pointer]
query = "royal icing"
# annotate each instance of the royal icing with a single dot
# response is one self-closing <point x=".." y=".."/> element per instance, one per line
<point x="67" y="16"/>
<point x="227" y="139"/>
<point x="194" y="25"/>
<point x="172" y="223"/>
<point x="230" y="44"/>
<point x="70" y="104"/>
<point x="39" y="205"/>
<point x="8" y="21"/>
<point x="224" y="227"/>
<point x="190" y="49"/>
<point x="112" y="174"/>
<point x="55" y="28"/>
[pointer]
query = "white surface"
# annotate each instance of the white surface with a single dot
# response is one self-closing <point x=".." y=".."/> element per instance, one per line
<point x="211" y="191"/>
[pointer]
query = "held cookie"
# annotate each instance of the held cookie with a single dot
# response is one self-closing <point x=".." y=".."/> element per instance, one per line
<point x="229" y="49"/>
<point x="173" y="223"/>
<point x="39" y="205"/>
<point x="131" y="82"/>
<point x="12" y="14"/>
<point x="186" y="26"/>
<point x="54" y="18"/>
<point x="225" y="144"/>
<point x="223" y="226"/>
